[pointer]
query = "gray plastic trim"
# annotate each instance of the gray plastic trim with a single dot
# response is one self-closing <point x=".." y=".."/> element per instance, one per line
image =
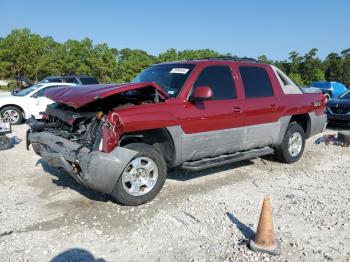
<point x="195" y="146"/>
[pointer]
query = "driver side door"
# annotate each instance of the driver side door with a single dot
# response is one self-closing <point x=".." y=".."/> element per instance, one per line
<point x="210" y="126"/>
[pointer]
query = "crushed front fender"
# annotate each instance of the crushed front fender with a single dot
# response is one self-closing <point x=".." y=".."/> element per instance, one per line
<point x="97" y="170"/>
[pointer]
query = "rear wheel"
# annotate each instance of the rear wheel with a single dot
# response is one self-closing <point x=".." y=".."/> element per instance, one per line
<point x="14" y="114"/>
<point x="293" y="144"/>
<point x="142" y="178"/>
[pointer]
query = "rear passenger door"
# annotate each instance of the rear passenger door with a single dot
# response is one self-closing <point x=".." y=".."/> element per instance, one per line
<point x="261" y="107"/>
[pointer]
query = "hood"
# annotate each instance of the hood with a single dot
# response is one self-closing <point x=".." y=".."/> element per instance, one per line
<point x="78" y="96"/>
<point x="341" y="102"/>
<point x="9" y="99"/>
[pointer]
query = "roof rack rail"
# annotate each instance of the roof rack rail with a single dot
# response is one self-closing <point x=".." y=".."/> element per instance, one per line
<point x="233" y="58"/>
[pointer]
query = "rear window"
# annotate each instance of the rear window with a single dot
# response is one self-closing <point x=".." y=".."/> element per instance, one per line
<point x="88" y="81"/>
<point x="256" y="82"/>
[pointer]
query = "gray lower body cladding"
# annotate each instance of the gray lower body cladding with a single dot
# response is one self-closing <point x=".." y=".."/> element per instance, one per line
<point x="96" y="170"/>
<point x="317" y="124"/>
<point x="196" y="146"/>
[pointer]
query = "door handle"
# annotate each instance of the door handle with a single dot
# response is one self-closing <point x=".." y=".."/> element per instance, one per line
<point x="272" y="107"/>
<point x="237" y="109"/>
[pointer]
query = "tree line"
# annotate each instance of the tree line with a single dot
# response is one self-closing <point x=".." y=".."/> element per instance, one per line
<point x="23" y="53"/>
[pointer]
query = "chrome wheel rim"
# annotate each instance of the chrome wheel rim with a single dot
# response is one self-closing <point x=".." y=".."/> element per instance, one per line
<point x="295" y="144"/>
<point x="11" y="114"/>
<point x="140" y="176"/>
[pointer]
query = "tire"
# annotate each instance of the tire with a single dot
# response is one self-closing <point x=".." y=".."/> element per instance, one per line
<point x="344" y="136"/>
<point x="135" y="174"/>
<point x="15" y="114"/>
<point x="293" y="144"/>
<point x="5" y="142"/>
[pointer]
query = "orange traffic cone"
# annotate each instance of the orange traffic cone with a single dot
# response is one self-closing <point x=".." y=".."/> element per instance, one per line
<point x="265" y="240"/>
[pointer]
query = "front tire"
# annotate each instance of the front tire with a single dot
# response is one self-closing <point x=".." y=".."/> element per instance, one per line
<point x="142" y="178"/>
<point x="14" y="114"/>
<point x="293" y="144"/>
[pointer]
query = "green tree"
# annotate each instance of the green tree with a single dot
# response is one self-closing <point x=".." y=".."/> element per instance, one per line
<point x="264" y="59"/>
<point x="345" y="78"/>
<point x="294" y="66"/>
<point x="168" y="56"/>
<point x="103" y="63"/>
<point x="132" y="62"/>
<point x="311" y="67"/>
<point x="20" y="53"/>
<point x="296" y="77"/>
<point x="333" y="67"/>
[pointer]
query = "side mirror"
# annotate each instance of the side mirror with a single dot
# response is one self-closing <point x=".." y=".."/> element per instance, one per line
<point x="201" y="93"/>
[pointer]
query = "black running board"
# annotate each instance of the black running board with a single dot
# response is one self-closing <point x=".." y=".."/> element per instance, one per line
<point x="226" y="159"/>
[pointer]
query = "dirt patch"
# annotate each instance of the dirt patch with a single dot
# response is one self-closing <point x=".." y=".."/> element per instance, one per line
<point x="198" y="216"/>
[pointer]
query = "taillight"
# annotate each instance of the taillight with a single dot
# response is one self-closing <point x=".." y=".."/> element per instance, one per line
<point x="323" y="100"/>
<point x="320" y="103"/>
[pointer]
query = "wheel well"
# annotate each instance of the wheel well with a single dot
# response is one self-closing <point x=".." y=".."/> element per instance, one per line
<point x="16" y="106"/>
<point x="160" y="139"/>
<point x="304" y="121"/>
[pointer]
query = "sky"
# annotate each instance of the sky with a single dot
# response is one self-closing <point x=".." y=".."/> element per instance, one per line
<point x="242" y="27"/>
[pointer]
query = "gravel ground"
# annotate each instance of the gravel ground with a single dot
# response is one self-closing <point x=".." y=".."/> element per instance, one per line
<point x="198" y="216"/>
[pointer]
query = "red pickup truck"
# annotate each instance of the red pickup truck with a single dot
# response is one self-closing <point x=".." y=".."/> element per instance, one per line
<point x="120" y="139"/>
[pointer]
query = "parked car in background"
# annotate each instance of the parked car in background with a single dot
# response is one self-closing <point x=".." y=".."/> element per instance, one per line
<point x="27" y="102"/>
<point x="74" y="79"/>
<point x="22" y="82"/>
<point x="120" y="139"/>
<point x="338" y="110"/>
<point x="330" y="89"/>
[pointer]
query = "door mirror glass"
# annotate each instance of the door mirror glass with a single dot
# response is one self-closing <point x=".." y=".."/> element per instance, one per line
<point x="201" y="93"/>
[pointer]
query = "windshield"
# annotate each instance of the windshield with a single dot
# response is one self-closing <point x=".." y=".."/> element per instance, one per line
<point x="170" y="77"/>
<point x="345" y="95"/>
<point x="88" y="81"/>
<point x="28" y="90"/>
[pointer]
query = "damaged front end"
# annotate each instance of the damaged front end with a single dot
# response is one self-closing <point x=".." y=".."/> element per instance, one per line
<point x="84" y="141"/>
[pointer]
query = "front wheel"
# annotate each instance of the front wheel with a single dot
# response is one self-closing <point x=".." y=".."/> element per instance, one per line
<point x="13" y="114"/>
<point x="292" y="146"/>
<point x="142" y="178"/>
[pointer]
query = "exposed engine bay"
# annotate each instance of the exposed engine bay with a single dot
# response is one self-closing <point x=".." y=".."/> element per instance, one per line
<point x="84" y="125"/>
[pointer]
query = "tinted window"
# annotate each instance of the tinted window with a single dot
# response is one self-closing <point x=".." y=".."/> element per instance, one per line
<point x="88" y="81"/>
<point x="70" y="80"/>
<point x="256" y="82"/>
<point x="41" y="92"/>
<point x="28" y="90"/>
<point x="52" y="79"/>
<point x="219" y="79"/>
<point x="345" y="95"/>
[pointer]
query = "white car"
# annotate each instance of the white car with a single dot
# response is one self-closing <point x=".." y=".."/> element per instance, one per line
<point x="27" y="102"/>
